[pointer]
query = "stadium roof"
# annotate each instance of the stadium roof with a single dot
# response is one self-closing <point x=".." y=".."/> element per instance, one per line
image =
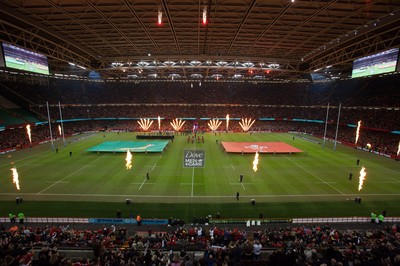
<point x="241" y="39"/>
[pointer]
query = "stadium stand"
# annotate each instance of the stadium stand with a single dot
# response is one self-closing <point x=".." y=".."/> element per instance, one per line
<point x="292" y="108"/>
<point x="298" y="107"/>
<point x="200" y="245"/>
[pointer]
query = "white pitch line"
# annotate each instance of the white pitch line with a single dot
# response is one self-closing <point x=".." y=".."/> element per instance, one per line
<point x="243" y="186"/>
<point x="315" y="176"/>
<point x="394" y="171"/>
<point x="32" y="165"/>
<point x="58" y="182"/>
<point x="144" y="181"/>
<point x="178" y="196"/>
<point x="142" y="184"/>
<point x="154" y="166"/>
<point x="64" y="182"/>
<point x="233" y="168"/>
<point x="238" y="183"/>
<point x="24" y="159"/>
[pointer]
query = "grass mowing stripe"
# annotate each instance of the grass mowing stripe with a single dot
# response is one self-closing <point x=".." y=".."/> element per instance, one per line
<point x="192" y="181"/>
<point x="24" y="159"/>
<point x="278" y="184"/>
<point x="314" y="175"/>
<point x="192" y="193"/>
<point x="205" y="196"/>
<point x="150" y="170"/>
<point x="58" y="182"/>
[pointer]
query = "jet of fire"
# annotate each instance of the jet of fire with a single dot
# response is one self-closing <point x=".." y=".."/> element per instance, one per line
<point x="358" y="131"/>
<point x="15" y="177"/>
<point x="159" y="123"/>
<point x="227" y="122"/>
<point x="59" y="130"/>
<point x="128" y="160"/>
<point x="255" y="162"/>
<point x="28" y="131"/>
<point x="398" y="149"/>
<point x="177" y="124"/>
<point x="361" y="178"/>
<point x="246" y="124"/>
<point x="214" y="124"/>
<point x="145" y="124"/>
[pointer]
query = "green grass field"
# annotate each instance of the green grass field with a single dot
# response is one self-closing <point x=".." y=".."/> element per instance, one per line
<point x="89" y="184"/>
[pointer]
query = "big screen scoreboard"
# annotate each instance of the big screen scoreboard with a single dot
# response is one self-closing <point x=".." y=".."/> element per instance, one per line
<point x="379" y="63"/>
<point x="22" y="59"/>
<point x="1" y="57"/>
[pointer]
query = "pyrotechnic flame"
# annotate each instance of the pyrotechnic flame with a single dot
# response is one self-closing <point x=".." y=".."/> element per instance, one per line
<point x="358" y="131"/>
<point x="255" y="162"/>
<point x="145" y="124"/>
<point x="361" y="178"/>
<point x="28" y="131"/>
<point x="159" y="21"/>
<point x="15" y="177"/>
<point x="59" y="130"/>
<point x="204" y="15"/>
<point x="398" y="149"/>
<point x="128" y="160"/>
<point x="159" y="123"/>
<point x="214" y="124"/>
<point x="246" y="124"/>
<point x="227" y="122"/>
<point x="177" y="124"/>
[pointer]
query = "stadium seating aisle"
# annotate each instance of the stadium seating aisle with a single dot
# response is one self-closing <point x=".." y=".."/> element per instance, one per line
<point x="289" y="244"/>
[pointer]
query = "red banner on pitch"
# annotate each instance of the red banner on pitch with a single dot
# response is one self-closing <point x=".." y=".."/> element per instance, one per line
<point x="261" y="147"/>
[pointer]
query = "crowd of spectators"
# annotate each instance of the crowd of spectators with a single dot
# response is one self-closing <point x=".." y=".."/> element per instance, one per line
<point x="380" y="141"/>
<point x="372" y="118"/>
<point x="371" y="100"/>
<point x="202" y="245"/>
<point x="374" y="91"/>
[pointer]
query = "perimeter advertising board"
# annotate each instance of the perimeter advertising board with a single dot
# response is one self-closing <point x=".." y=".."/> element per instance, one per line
<point x="194" y="158"/>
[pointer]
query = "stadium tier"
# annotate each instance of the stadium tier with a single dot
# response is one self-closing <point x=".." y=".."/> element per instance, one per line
<point x="199" y="133"/>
